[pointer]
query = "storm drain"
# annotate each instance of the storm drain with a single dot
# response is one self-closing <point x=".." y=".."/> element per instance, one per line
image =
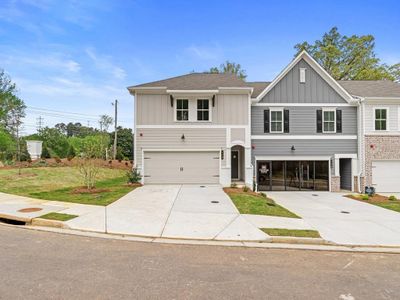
<point x="214" y="201"/>
<point x="12" y="222"/>
<point x="345" y="212"/>
<point x="315" y="195"/>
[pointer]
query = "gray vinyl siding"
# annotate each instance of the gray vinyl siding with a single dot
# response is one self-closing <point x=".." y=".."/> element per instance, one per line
<point x="345" y="173"/>
<point x="302" y="120"/>
<point x="314" y="90"/>
<point x="303" y="147"/>
<point x="168" y="138"/>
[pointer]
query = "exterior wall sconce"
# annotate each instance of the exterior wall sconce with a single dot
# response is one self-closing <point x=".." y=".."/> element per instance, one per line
<point x="222" y="155"/>
<point x="293" y="148"/>
<point x="172" y="100"/>
<point x="183" y="137"/>
<point x="213" y="100"/>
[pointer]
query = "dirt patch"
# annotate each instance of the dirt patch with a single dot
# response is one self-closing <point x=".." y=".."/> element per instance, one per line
<point x="240" y="191"/>
<point x="137" y="184"/>
<point x="30" y="209"/>
<point x="84" y="190"/>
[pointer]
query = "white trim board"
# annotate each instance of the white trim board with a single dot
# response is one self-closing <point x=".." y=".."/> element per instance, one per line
<point x="184" y="125"/>
<point x="303" y="104"/>
<point x="274" y="158"/>
<point x="326" y="136"/>
<point x="317" y="67"/>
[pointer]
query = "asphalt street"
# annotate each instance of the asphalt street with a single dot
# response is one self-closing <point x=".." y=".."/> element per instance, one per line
<point x="44" y="265"/>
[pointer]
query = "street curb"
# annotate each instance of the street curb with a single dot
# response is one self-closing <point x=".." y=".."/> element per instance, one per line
<point x="259" y="245"/>
<point x="48" y="223"/>
<point x="300" y="240"/>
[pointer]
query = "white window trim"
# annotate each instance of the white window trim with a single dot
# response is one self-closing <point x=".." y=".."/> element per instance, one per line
<point x="209" y="110"/>
<point x="270" y="120"/>
<point x="374" y="118"/>
<point x="334" y="119"/>
<point x="176" y="110"/>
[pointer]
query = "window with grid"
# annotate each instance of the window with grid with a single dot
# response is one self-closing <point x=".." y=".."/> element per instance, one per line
<point x="329" y="121"/>
<point x="182" y="110"/>
<point x="380" y="119"/>
<point x="203" y="110"/>
<point x="276" y="121"/>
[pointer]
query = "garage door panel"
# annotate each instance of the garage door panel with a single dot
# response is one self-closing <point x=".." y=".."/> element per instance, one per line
<point x="386" y="176"/>
<point x="181" y="167"/>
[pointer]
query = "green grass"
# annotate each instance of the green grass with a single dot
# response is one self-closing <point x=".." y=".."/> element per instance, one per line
<point x="258" y="205"/>
<point x="395" y="205"/>
<point x="378" y="200"/>
<point x="291" y="232"/>
<point x="58" y="217"/>
<point x="58" y="184"/>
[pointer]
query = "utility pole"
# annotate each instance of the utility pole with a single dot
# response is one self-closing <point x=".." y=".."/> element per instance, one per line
<point x="115" y="128"/>
<point x="39" y="123"/>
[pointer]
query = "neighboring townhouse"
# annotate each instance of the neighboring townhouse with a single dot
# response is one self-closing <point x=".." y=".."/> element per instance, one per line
<point x="380" y="144"/>
<point x="303" y="131"/>
<point x="193" y="129"/>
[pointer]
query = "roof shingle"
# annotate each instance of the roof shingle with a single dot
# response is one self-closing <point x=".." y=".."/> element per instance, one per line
<point x="371" y="88"/>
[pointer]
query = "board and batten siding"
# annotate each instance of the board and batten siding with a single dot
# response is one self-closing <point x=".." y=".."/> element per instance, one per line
<point x="393" y="118"/>
<point x="170" y="138"/>
<point x="314" y="90"/>
<point x="303" y="120"/>
<point x="153" y="109"/>
<point x="306" y="147"/>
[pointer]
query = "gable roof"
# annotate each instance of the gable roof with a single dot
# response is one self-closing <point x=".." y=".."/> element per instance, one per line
<point x="317" y="67"/>
<point x="371" y="88"/>
<point x="196" y="81"/>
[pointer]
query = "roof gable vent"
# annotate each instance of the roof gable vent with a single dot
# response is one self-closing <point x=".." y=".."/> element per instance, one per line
<point x="302" y="75"/>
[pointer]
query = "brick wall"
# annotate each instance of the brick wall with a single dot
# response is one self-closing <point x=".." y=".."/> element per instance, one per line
<point x="379" y="147"/>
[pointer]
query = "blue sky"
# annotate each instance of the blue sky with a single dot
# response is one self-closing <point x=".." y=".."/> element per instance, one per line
<point x="78" y="56"/>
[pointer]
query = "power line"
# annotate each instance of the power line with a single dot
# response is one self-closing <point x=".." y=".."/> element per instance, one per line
<point x="60" y="111"/>
<point x="39" y="123"/>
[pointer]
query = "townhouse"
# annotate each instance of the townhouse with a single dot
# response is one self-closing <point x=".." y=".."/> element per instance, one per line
<point x="302" y="131"/>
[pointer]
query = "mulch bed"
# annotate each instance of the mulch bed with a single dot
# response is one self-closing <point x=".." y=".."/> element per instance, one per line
<point x="230" y="190"/>
<point x="84" y="190"/>
<point x="373" y="199"/>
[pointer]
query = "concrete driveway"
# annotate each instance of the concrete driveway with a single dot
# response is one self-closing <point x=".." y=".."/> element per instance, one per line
<point x="175" y="211"/>
<point x="343" y="220"/>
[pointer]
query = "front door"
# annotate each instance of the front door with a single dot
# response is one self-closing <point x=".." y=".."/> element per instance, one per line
<point x="235" y="164"/>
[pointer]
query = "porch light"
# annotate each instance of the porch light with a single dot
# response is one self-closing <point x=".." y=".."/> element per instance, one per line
<point x="183" y="137"/>
<point x="293" y="148"/>
<point x="213" y="100"/>
<point x="172" y="100"/>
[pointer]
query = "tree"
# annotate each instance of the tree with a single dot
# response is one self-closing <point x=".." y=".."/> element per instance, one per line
<point x="349" y="58"/>
<point x="230" y="68"/>
<point x="55" y="141"/>
<point x="105" y="122"/>
<point x="7" y="145"/>
<point x="45" y="153"/>
<point x="71" y="152"/>
<point x="124" y="142"/>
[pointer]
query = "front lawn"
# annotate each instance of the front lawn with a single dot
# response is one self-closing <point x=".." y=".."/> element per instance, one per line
<point x="291" y="232"/>
<point x="254" y="203"/>
<point x="63" y="184"/>
<point x="386" y="202"/>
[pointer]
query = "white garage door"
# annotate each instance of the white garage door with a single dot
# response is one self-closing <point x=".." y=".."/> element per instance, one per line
<point x="181" y="167"/>
<point x="386" y="175"/>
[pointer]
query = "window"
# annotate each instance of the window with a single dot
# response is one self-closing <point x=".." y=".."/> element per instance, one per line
<point x="203" y="110"/>
<point x="182" y="109"/>
<point x="302" y="75"/>
<point x="276" y="121"/>
<point x="380" y="118"/>
<point x="329" y="121"/>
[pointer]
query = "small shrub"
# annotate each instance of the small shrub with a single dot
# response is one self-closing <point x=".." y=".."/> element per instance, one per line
<point x="45" y="153"/>
<point x="364" y="197"/>
<point x="71" y="153"/>
<point x="126" y="163"/>
<point x="245" y="189"/>
<point x="133" y="176"/>
<point x="392" y="198"/>
<point x="264" y="195"/>
<point x="233" y="185"/>
<point x="57" y="159"/>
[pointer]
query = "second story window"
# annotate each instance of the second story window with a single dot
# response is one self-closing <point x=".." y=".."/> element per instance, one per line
<point x="182" y="109"/>
<point x="329" y="121"/>
<point x="203" y="110"/>
<point x="380" y="119"/>
<point x="276" y="120"/>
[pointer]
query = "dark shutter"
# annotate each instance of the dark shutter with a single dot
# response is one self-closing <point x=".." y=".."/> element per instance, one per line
<point x="339" y="121"/>
<point x="286" y="121"/>
<point x="266" y="121"/>
<point x="319" y="121"/>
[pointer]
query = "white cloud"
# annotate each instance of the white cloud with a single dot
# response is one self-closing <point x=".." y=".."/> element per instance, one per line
<point x="104" y="63"/>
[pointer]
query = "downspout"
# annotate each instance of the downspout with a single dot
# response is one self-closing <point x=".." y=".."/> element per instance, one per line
<point x="360" y="141"/>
